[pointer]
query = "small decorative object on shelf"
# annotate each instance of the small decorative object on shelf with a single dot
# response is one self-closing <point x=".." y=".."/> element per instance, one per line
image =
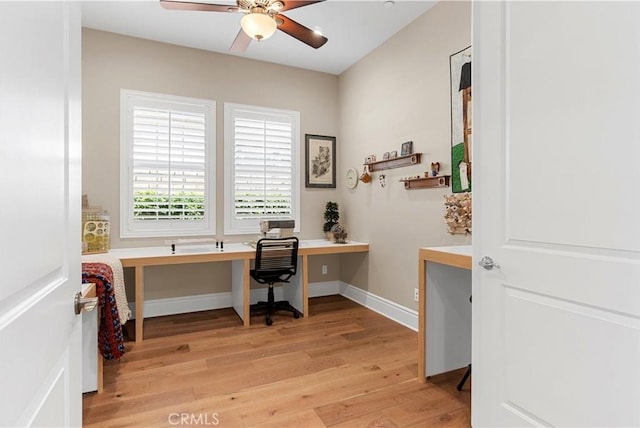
<point x="457" y="213"/>
<point x="407" y="148"/>
<point x="365" y="177"/>
<point x="339" y="234"/>
<point x="435" y="169"/>
<point x="393" y="154"/>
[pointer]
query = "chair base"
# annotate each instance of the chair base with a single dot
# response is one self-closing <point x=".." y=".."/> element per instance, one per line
<point x="270" y="307"/>
<point x="464" y="378"/>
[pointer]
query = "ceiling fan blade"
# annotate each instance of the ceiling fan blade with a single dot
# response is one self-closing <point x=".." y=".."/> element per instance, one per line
<point x="293" y="4"/>
<point x="241" y="42"/>
<point x="300" y="32"/>
<point x="204" y="7"/>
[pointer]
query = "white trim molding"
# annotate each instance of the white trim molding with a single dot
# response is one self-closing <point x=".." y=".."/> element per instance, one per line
<point x="204" y="302"/>
<point x="183" y="305"/>
<point x="326" y="288"/>
<point x="398" y="313"/>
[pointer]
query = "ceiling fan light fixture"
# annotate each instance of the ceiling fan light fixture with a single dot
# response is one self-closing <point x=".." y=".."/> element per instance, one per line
<point x="259" y="26"/>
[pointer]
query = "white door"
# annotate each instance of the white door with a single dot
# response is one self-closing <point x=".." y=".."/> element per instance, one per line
<point x="556" y="329"/>
<point x="40" y="365"/>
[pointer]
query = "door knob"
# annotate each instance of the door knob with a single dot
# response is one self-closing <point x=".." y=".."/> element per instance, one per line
<point x="86" y="304"/>
<point x="488" y="263"/>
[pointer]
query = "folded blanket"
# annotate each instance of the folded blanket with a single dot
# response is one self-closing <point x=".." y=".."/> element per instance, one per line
<point x="118" y="282"/>
<point x="110" y="338"/>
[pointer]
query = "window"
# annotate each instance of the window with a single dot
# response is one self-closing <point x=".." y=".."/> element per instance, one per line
<point x="261" y="166"/>
<point x="167" y="165"/>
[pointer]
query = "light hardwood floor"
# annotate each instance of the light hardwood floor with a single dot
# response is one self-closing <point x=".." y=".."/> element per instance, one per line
<point x="345" y="366"/>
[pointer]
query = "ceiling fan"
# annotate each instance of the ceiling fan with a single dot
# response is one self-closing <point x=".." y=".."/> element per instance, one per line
<point x="261" y="19"/>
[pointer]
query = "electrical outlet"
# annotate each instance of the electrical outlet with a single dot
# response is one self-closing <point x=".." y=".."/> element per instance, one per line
<point x="415" y="295"/>
<point x="324" y="269"/>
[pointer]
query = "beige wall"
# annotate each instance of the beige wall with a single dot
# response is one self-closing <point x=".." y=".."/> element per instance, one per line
<point x="400" y="92"/>
<point x="111" y="62"/>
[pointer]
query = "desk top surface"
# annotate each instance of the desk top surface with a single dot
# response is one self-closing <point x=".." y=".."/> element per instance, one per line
<point x="463" y="250"/>
<point x="231" y="251"/>
<point x="88" y="289"/>
<point x="455" y="255"/>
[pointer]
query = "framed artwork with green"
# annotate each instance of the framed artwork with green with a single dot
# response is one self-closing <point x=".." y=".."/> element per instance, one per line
<point x="461" y="115"/>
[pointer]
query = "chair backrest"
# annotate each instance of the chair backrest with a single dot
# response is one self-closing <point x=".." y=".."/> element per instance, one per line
<point x="276" y="259"/>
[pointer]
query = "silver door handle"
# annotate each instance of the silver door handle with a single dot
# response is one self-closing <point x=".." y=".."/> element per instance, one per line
<point x="86" y="304"/>
<point x="488" y="263"/>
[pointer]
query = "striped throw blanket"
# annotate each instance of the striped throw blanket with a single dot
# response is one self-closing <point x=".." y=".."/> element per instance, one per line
<point x="110" y="338"/>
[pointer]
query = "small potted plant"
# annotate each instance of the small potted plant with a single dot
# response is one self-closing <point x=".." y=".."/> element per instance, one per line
<point x="331" y="217"/>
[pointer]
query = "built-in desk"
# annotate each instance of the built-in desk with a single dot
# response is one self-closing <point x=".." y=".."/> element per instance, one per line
<point x="444" y="313"/>
<point x="240" y="256"/>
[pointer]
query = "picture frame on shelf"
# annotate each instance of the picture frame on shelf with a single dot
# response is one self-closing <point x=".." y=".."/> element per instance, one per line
<point x="393" y="154"/>
<point x="386" y="155"/>
<point x="320" y="161"/>
<point x="407" y="148"/>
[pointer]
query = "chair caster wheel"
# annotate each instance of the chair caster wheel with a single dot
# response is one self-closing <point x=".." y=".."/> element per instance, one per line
<point x="296" y="315"/>
<point x="269" y="321"/>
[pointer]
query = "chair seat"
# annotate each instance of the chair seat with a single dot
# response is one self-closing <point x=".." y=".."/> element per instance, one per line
<point x="271" y="277"/>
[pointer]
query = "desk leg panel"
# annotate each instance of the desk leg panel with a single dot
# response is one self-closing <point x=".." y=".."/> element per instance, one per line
<point x="239" y="286"/>
<point x="139" y="303"/>
<point x="246" y="297"/>
<point x="448" y="318"/>
<point x="422" y="326"/>
<point x="293" y="292"/>
<point x="100" y="373"/>
<point x="305" y="285"/>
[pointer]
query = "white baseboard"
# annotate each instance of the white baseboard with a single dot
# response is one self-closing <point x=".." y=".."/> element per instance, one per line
<point x="205" y="302"/>
<point x="183" y="305"/>
<point x="398" y="313"/>
<point x="327" y="288"/>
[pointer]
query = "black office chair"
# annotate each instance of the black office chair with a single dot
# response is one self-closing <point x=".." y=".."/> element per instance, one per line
<point x="276" y="261"/>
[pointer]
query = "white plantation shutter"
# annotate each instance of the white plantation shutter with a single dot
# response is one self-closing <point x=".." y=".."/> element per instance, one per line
<point x="168" y="176"/>
<point x="263" y="169"/>
<point x="261" y="166"/>
<point x="169" y="167"/>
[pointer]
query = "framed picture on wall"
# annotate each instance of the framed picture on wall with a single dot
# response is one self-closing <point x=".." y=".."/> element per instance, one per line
<point x="407" y="148"/>
<point x="320" y="161"/>
<point x="461" y="123"/>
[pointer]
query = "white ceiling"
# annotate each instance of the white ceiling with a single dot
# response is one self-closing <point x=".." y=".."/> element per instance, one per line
<point x="354" y="28"/>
